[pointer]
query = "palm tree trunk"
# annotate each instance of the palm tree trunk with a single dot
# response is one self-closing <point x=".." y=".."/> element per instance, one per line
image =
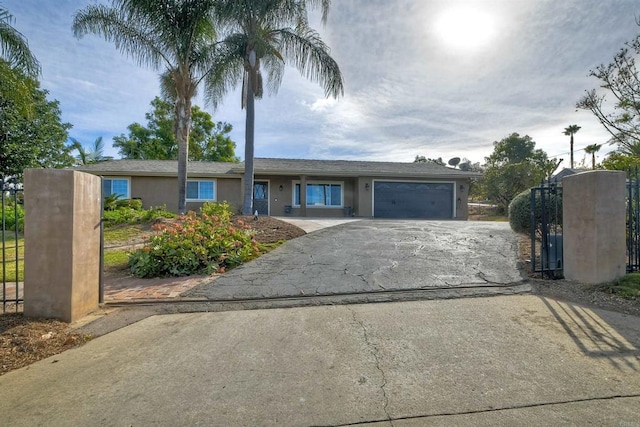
<point x="571" y="151"/>
<point x="247" y="205"/>
<point x="593" y="160"/>
<point x="183" y="121"/>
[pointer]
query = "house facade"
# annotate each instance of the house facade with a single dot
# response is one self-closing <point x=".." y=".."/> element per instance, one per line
<point x="305" y="188"/>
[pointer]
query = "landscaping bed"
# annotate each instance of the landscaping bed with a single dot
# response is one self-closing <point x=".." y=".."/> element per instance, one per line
<point x="25" y="340"/>
<point x="599" y="296"/>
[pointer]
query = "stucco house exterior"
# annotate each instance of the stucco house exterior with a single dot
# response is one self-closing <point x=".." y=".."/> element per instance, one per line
<point x="334" y="188"/>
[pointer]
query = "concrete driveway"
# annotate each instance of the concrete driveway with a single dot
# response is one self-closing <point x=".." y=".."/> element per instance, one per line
<point x="377" y="256"/>
<point x="502" y="361"/>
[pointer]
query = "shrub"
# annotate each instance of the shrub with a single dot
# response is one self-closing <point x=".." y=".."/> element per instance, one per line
<point x="131" y="214"/>
<point x="135" y="204"/>
<point x="10" y="217"/>
<point x="157" y="212"/>
<point x="222" y="210"/>
<point x="193" y="245"/>
<point x="520" y="211"/>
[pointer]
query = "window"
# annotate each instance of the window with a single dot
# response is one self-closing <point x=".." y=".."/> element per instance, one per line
<point x="119" y="186"/>
<point x="201" y="190"/>
<point x="320" y="194"/>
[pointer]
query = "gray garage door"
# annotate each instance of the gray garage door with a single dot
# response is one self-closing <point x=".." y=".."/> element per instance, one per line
<point x="412" y="200"/>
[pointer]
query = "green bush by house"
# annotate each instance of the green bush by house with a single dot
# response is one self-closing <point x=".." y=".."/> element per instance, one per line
<point x="520" y="211"/>
<point x="195" y="244"/>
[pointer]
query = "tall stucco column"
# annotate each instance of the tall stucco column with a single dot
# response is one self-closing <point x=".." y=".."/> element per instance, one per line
<point x="62" y="243"/>
<point x="593" y="224"/>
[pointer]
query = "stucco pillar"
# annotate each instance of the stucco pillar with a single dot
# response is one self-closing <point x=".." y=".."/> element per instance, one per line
<point x="62" y="243"/>
<point x="594" y="226"/>
<point x="303" y="195"/>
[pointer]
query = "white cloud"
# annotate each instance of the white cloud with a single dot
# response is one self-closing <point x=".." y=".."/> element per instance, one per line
<point x="406" y="92"/>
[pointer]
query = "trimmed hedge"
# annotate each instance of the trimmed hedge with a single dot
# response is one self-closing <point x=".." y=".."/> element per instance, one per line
<point x="520" y="211"/>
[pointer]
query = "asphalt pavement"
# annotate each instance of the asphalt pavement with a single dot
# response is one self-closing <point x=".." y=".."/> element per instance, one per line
<point x="370" y="256"/>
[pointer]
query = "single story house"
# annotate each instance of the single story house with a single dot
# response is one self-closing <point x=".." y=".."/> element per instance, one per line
<point x="332" y="187"/>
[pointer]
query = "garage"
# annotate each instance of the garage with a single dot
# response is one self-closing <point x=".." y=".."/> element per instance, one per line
<point x="396" y="199"/>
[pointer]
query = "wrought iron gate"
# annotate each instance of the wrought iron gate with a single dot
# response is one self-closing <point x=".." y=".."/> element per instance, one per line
<point x="546" y="229"/>
<point x="633" y="220"/>
<point x="12" y="244"/>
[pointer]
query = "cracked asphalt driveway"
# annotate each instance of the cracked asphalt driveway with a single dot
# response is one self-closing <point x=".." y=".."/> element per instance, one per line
<point x="376" y="255"/>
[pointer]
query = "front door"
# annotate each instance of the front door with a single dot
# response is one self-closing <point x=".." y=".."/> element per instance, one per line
<point x="261" y="197"/>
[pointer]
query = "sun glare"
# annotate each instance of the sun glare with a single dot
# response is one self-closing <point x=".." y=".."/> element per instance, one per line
<point x="466" y="29"/>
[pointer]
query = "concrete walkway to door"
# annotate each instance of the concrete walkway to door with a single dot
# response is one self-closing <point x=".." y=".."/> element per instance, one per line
<point x="314" y="224"/>
<point x="376" y="256"/>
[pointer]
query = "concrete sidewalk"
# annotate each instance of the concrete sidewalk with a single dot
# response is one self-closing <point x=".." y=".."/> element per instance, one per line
<point x="314" y="224"/>
<point x="518" y="360"/>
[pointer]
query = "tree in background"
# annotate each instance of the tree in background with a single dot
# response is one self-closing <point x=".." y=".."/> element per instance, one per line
<point x="514" y="166"/>
<point x="14" y="47"/>
<point x="18" y="67"/>
<point x="423" y="159"/>
<point x="34" y="137"/>
<point x="570" y="131"/>
<point x="619" y="79"/>
<point x="593" y="149"/>
<point x="621" y="161"/>
<point x="270" y="34"/>
<point x="177" y="37"/>
<point x="94" y="154"/>
<point x="207" y="140"/>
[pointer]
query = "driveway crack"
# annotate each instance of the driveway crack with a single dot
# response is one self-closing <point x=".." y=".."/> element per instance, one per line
<point x="375" y="352"/>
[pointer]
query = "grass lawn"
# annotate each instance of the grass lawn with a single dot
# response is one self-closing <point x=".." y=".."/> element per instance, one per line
<point x="627" y="287"/>
<point x="10" y="253"/>
<point x="116" y="259"/>
<point x="123" y="233"/>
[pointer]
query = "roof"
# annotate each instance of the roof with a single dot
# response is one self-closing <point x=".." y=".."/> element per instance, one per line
<point x="355" y="168"/>
<point x="157" y="168"/>
<point x="565" y="172"/>
<point x="271" y="166"/>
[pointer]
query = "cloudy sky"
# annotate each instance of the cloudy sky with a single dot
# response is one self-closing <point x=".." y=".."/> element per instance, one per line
<point x="439" y="78"/>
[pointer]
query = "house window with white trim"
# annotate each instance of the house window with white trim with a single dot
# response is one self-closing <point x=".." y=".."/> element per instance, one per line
<point x="201" y="190"/>
<point x="321" y="194"/>
<point x="117" y="186"/>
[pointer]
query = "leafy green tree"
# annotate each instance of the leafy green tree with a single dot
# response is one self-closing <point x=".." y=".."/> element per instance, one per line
<point x="617" y="106"/>
<point x="176" y="37"/>
<point x="423" y="159"/>
<point x="270" y="34"/>
<point x="207" y="140"/>
<point x="621" y="161"/>
<point x="33" y="138"/>
<point x="570" y="131"/>
<point x="514" y="166"/>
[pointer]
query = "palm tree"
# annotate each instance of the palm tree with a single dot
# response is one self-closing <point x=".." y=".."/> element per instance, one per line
<point x="270" y="34"/>
<point x="592" y="149"/>
<point x="175" y="37"/>
<point x="14" y="46"/>
<point x="94" y="154"/>
<point x="570" y="131"/>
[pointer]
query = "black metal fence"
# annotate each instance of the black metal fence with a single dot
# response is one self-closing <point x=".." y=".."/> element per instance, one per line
<point x="546" y="229"/>
<point x="12" y="245"/>
<point x="633" y="220"/>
